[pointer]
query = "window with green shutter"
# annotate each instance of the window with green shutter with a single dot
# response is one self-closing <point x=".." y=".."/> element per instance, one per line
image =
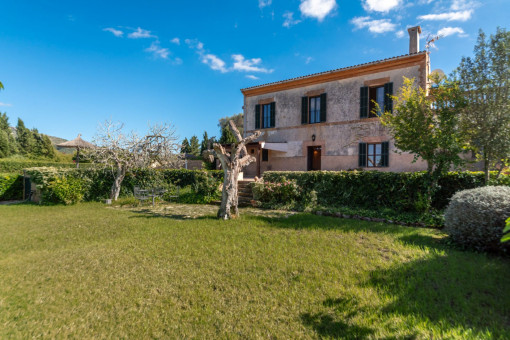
<point x="257" y="116"/>
<point x="362" y="162"/>
<point x="363" y="102"/>
<point x="374" y="155"/>
<point x="304" y="110"/>
<point x="385" y="154"/>
<point x="323" y="107"/>
<point x="272" y="120"/>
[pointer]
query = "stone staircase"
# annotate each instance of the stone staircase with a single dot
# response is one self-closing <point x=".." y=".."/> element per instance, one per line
<point x="245" y="194"/>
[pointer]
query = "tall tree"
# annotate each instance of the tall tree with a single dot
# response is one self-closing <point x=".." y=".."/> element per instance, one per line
<point x="194" y="146"/>
<point x="7" y="140"/>
<point x="226" y="135"/>
<point x="428" y="125"/>
<point x="123" y="152"/>
<point x="24" y="138"/>
<point x="205" y="143"/>
<point x="185" y="147"/>
<point x="485" y="80"/>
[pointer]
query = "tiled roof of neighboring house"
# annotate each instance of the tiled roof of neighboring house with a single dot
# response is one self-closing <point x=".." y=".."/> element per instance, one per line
<point x="335" y="70"/>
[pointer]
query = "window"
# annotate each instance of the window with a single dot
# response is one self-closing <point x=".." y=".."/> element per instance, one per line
<point x="374" y="155"/>
<point x="313" y="109"/>
<point x="265" y="155"/>
<point x="265" y="115"/>
<point x="375" y="94"/>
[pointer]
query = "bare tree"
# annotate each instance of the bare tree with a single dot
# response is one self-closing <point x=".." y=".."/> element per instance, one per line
<point x="122" y="152"/>
<point x="232" y="163"/>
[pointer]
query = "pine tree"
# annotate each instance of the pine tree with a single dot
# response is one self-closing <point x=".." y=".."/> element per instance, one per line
<point x="205" y="143"/>
<point x="185" y="148"/>
<point x="194" y="146"/>
<point x="227" y="137"/>
<point x="24" y="138"/>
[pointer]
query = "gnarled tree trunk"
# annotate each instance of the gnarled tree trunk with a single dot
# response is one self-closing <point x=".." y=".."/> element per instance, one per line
<point x="119" y="175"/>
<point x="232" y="164"/>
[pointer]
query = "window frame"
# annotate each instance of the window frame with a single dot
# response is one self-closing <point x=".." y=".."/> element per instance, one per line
<point x="372" y="96"/>
<point x="265" y="155"/>
<point x="317" y="112"/>
<point x="263" y="116"/>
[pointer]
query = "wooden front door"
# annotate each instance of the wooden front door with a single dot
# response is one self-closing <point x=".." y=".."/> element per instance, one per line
<point x="314" y="158"/>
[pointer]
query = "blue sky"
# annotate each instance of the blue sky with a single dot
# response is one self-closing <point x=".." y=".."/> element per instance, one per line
<point x="69" y="65"/>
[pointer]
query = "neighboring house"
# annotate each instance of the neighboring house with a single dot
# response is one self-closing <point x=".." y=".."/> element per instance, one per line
<point x="324" y="121"/>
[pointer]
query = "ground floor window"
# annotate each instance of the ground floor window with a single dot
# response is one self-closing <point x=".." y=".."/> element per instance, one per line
<point x="265" y="155"/>
<point x="373" y="155"/>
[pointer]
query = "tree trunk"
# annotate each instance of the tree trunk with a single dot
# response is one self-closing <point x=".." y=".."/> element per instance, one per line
<point x="117" y="181"/>
<point x="229" y="200"/>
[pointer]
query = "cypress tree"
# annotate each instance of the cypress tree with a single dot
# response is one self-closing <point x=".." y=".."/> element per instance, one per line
<point x="194" y="146"/>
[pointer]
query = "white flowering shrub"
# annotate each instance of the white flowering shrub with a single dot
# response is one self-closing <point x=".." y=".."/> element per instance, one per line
<point x="475" y="218"/>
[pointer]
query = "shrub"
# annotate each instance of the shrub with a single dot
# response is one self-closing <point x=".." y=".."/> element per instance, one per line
<point x="277" y="194"/>
<point x="65" y="189"/>
<point x="475" y="218"/>
<point x="17" y="164"/>
<point x="11" y="187"/>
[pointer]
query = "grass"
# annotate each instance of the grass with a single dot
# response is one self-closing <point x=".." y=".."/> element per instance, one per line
<point x="88" y="271"/>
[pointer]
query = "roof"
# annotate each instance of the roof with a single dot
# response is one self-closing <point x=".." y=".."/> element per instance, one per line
<point x="76" y="143"/>
<point x="313" y="75"/>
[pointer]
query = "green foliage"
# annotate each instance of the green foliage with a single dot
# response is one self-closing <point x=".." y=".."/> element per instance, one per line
<point x="475" y="218"/>
<point x="374" y="189"/>
<point x="97" y="182"/>
<point x="506" y="231"/>
<point x="65" y="189"/>
<point x="8" y="145"/>
<point x="485" y="83"/>
<point x="11" y="187"/>
<point x="227" y="136"/>
<point x="185" y="147"/>
<point x="205" y="143"/>
<point x="283" y="193"/>
<point x="17" y="164"/>
<point x="238" y="120"/>
<point x="194" y="146"/>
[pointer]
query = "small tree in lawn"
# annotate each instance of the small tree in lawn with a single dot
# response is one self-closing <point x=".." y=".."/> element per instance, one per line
<point x="232" y="163"/>
<point x="485" y="80"/>
<point x="123" y="152"/>
<point x="428" y="125"/>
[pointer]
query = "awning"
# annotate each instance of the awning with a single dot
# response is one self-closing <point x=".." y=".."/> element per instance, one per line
<point x="283" y="147"/>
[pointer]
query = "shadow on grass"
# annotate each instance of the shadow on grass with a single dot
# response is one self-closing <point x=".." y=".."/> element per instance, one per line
<point x="148" y="214"/>
<point x="330" y="324"/>
<point x="460" y="289"/>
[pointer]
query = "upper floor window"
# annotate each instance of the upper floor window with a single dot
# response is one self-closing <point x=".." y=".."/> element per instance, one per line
<point x="381" y="95"/>
<point x="374" y="155"/>
<point x="313" y="109"/>
<point x="265" y="115"/>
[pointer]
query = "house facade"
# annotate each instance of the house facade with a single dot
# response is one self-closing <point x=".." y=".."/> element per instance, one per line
<point x="326" y="121"/>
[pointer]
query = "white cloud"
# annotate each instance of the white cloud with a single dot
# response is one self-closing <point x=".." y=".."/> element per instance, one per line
<point x="264" y="3"/>
<point x="449" y="16"/>
<point x="374" y="26"/>
<point x="5" y="104"/>
<point x="248" y="65"/>
<point x="158" y="51"/>
<point x="176" y="41"/>
<point x="400" y="34"/>
<point x="289" y="20"/>
<point x="444" y="32"/>
<point x="194" y="43"/>
<point x="251" y="76"/>
<point x="380" y="5"/>
<point x="140" y="33"/>
<point x="117" y="33"/>
<point x="214" y="63"/>
<point x="317" y="9"/>
<point x="461" y="5"/>
<point x="308" y="60"/>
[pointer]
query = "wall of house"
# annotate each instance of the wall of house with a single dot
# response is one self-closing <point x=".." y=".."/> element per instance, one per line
<point x="343" y="130"/>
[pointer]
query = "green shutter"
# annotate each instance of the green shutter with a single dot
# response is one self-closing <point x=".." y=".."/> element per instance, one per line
<point x="273" y="112"/>
<point x="385" y="153"/>
<point x="304" y="110"/>
<point x="388" y="100"/>
<point x="362" y="155"/>
<point x="323" y="107"/>
<point x="257" y="116"/>
<point x="363" y="102"/>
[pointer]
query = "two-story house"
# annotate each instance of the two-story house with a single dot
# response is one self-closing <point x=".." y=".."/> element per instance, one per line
<point x="326" y="121"/>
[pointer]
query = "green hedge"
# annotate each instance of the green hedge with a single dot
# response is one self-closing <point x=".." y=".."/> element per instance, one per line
<point x="17" y="165"/>
<point x="402" y="191"/>
<point x="11" y="187"/>
<point x="96" y="183"/>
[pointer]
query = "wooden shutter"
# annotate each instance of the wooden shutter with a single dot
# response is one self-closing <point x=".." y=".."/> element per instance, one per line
<point x="304" y="110"/>
<point x="323" y="107"/>
<point x="363" y="102"/>
<point x="362" y="155"/>
<point x="273" y="112"/>
<point x="257" y="116"/>
<point x="388" y="100"/>
<point x="385" y="153"/>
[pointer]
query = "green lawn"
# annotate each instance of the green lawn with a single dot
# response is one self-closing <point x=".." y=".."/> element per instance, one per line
<point x="89" y="271"/>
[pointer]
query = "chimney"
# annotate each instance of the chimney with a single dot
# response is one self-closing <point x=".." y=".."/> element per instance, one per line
<point x="414" y="39"/>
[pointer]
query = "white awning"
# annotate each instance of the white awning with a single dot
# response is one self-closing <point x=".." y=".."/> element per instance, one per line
<point x="282" y="147"/>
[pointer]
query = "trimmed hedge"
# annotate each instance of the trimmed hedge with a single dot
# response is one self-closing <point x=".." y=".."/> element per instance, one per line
<point x="17" y="165"/>
<point x="96" y="183"/>
<point x="11" y="187"/>
<point x="401" y="191"/>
